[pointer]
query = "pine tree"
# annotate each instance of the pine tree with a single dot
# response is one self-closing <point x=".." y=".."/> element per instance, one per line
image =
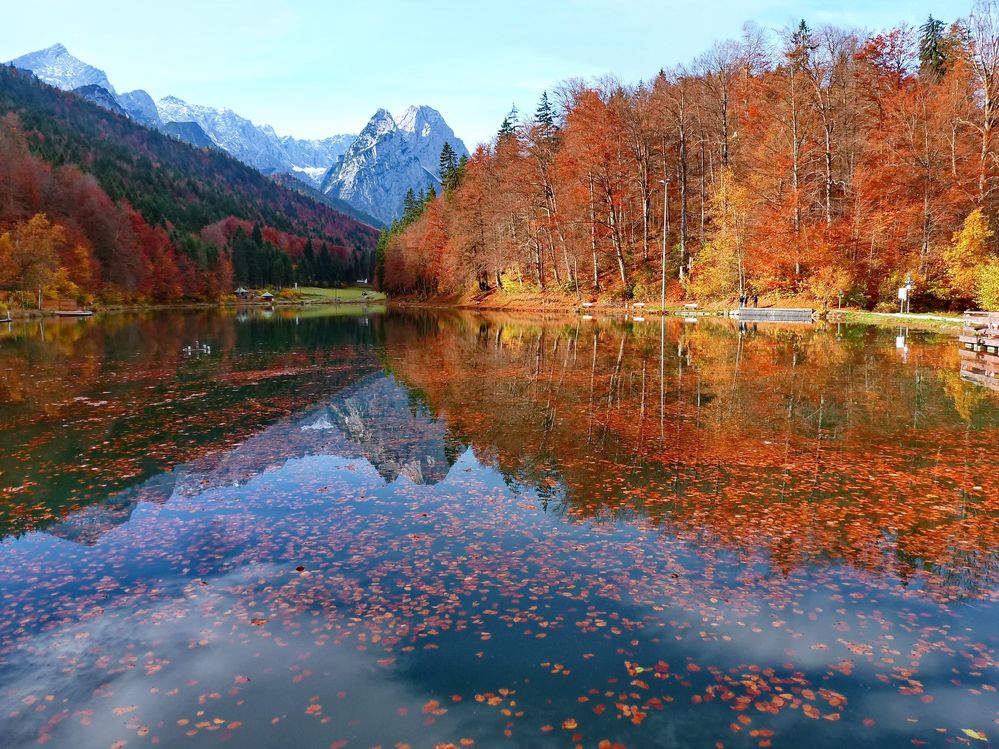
<point x="409" y="205"/>
<point x="932" y="57"/>
<point x="448" y="171"/>
<point x="383" y="240"/>
<point x="307" y="267"/>
<point x="325" y="267"/>
<point x="508" y="127"/>
<point x="545" y="115"/>
<point x="802" y="46"/>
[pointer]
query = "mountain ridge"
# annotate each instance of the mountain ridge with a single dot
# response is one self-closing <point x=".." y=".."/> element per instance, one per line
<point x="372" y="174"/>
<point x="389" y="158"/>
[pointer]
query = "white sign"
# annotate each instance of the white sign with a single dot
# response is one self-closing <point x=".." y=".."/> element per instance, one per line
<point x="903" y="293"/>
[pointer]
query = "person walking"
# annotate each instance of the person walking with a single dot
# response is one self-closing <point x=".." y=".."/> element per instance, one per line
<point x="756" y="300"/>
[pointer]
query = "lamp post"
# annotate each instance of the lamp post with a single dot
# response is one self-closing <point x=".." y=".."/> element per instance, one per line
<point x="665" y="184"/>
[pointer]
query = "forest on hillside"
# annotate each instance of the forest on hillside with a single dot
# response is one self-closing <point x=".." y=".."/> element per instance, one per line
<point x="810" y="162"/>
<point x="93" y="205"/>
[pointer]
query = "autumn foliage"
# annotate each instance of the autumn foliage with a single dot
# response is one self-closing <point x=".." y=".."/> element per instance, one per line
<point x="94" y="206"/>
<point x="813" y="163"/>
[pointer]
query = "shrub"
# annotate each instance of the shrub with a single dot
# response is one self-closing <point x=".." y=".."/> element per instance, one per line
<point x="988" y="286"/>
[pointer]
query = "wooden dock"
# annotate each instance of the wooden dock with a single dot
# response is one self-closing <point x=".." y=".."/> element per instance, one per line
<point x="980" y="349"/>
<point x="981" y="332"/>
<point x="74" y="313"/>
<point x="773" y="314"/>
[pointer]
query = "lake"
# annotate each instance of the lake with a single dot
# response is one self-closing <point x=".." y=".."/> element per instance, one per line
<point x="360" y="527"/>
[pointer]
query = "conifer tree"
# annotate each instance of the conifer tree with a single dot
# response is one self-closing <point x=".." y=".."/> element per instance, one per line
<point x="544" y="116"/>
<point x="508" y="127"/>
<point x="932" y="57"/>
<point x="409" y="204"/>
<point x="448" y="171"/>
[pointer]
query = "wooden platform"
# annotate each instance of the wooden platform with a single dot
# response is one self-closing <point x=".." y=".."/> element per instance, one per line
<point x="773" y="314"/>
<point x="981" y="332"/>
<point x="74" y="313"/>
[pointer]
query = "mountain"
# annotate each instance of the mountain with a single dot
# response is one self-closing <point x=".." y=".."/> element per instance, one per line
<point x="426" y="132"/>
<point x="390" y="158"/>
<point x="189" y="132"/>
<point x="375" y="420"/>
<point x="101" y="97"/>
<point x="141" y="107"/>
<point x="371" y="173"/>
<point x="152" y="217"/>
<point x="258" y="146"/>
<point x="292" y="182"/>
<point x="57" y="67"/>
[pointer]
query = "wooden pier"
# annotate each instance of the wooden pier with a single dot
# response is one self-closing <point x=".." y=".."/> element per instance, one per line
<point x="980" y="349"/>
<point x="773" y="314"/>
<point x="981" y="332"/>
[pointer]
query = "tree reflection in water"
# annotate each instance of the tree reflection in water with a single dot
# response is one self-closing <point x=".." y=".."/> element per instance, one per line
<point x="445" y="529"/>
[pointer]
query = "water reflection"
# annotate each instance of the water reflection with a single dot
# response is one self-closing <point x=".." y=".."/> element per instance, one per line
<point x="418" y="529"/>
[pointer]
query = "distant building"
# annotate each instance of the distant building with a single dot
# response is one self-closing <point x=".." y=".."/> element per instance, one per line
<point x="242" y="293"/>
<point x="267" y="296"/>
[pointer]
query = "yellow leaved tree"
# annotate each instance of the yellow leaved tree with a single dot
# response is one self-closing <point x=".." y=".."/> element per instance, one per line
<point x="720" y="266"/>
<point x="969" y="254"/>
<point x="29" y="254"/>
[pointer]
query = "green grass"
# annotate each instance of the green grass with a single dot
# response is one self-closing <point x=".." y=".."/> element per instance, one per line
<point x="349" y="294"/>
<point x="942" y="321"/>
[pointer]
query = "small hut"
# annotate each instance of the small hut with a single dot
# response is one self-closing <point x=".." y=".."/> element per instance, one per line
<point x="267" y="297"/>
<point x="242" y="293"/>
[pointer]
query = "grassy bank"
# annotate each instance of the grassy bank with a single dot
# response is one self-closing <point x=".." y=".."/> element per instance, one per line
<point x="304" y="295"/>
<point x="317" y="295"/>
<point x="560" y="304"/>
<point x="945" y="322"/>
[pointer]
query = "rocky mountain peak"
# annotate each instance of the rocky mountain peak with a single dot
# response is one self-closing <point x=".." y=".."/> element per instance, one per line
<point x="389" y="158"/>
<point x="57" y="67"/>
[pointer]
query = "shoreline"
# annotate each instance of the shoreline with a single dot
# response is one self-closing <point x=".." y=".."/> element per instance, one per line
<point x="34" y="314"/>
<point x="937" y="321"/>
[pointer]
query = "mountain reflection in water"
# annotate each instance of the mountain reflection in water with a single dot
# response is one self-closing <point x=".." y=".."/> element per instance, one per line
<point x="433" y="529"/>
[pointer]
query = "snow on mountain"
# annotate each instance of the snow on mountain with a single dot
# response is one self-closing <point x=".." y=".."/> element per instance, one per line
<point x="310" y="175"/>
<point x="57" y="67"/>
<point x="427" y="132"/>
<point x="372" y="172"/>
<point x="309" y="155"/>
<point x="389" y="158"/>
<point x="258" y="145"/>
<point x="140" y="107"/>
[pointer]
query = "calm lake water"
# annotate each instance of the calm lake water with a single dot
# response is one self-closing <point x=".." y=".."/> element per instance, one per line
<point x="412" y="530"/>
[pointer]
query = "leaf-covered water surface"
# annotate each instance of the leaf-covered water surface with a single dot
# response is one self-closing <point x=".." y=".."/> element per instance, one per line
<point x="426" y="530"/>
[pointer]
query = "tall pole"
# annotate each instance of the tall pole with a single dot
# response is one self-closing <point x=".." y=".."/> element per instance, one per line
<point x="665" y="184"/>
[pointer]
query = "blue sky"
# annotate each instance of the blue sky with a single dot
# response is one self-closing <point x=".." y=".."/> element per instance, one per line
<point x="316" y="67"/>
